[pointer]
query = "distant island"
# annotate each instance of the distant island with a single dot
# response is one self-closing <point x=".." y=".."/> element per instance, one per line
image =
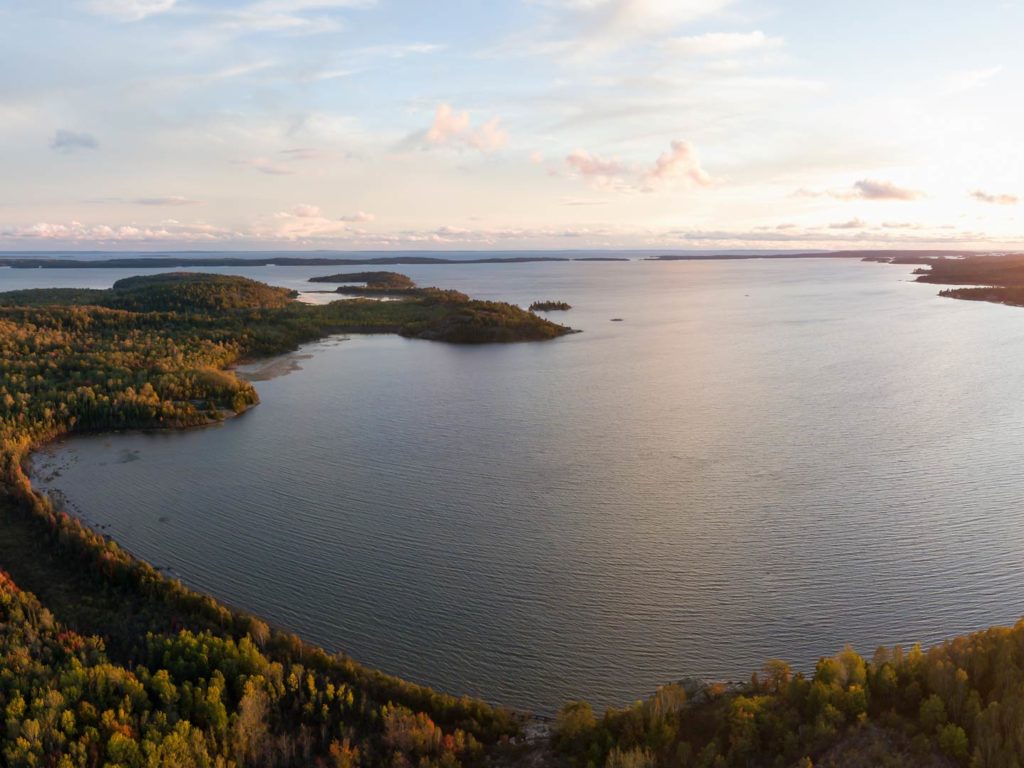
<point x="550" y="306"/>
<point x="371" y="279"/>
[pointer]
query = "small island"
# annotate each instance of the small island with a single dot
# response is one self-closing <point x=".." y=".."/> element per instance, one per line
<point x="390" y="280"/>
<point x="550" y="306"/>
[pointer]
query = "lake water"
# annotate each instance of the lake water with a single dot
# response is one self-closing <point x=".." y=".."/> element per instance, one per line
<point x="764" y="459"/>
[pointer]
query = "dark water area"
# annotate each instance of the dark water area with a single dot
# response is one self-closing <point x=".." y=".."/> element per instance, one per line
<point x="764" y="459"/>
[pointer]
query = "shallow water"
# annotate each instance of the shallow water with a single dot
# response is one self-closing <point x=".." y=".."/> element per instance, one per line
<point x="764" y="459"/>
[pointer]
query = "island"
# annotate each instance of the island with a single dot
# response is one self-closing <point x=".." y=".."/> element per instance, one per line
<point x="370" y="279"/>
<point x="550" y="306"/>
<point x="109" y="662"/>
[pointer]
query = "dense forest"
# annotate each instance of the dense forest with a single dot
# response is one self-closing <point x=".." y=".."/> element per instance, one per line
<point x="106" y="662"/>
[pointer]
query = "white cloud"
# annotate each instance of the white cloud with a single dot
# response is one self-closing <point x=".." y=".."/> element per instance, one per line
<point x="454" y="128"/>
<point x="308" y="223"/>
<point x="130" y="10"/>
<point x="723" y="43"/>
<point x="170" y="230"/>
<point x="624" y="17"/>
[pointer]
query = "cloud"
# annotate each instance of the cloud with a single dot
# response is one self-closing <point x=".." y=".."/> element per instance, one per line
<point x="66" y="141"/>
<point x="601" y="25"/>
<point x="1000" y="199"/>
<point x="308" y="223"/>
<point x="267" y="166"/>
<point x="870" y="189"/>
<point x="451" y="128"/>
<point x="130" y="10"/>
<point x="723" y="43"/>
<point x="594" y="167"/>
<point x="900" y="225"/>
<point x="170" y="230"/>
<point x="968" y="80"/>
<point x="169" y="200"/>
<point x="285" y="16"/>
<point x="679" y="163"/>
<point x="359" y="217"/>
<point x="865" y="189"/>
<point x="851" y="224"/>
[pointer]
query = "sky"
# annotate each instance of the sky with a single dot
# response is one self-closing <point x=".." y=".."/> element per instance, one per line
<point x="510" y="124"/>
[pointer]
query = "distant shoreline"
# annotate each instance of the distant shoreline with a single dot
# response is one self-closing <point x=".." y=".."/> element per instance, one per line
<point x="175" y="261"/>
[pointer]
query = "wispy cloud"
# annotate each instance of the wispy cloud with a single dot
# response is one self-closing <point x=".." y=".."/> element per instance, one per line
<point x="168" y="200"/>
<point x="129" y="10"/>
<point x="723" y="43"/>
<point x="865" y="189"/>
<point x="998" y="199"/>
<point x="851" y="224"/>
<point x="66" y="141"/>
<point x="287" y="162"/>
<point x="603" y="25"/>
<point x="359" y="217"/>
<point x="969" y="79"/>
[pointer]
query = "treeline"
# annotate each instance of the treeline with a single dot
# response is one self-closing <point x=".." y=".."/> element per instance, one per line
<point x="195" y="699"/>
<point x="960" y="703"/>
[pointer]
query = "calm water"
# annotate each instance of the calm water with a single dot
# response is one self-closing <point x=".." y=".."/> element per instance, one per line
<point x="765" y="459"/>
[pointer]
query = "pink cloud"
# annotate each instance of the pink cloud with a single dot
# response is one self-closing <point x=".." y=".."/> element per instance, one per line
<point x="454" y="128"/>
<point x="680" y="162"/>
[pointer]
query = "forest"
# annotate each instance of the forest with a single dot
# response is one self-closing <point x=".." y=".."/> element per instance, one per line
<point x="107" y="662"/>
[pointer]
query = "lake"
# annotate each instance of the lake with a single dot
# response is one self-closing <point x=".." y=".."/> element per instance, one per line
<point x="765" y="459"/>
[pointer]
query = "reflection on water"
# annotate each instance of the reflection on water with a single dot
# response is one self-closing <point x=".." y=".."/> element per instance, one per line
<point x="765" y="459"/>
